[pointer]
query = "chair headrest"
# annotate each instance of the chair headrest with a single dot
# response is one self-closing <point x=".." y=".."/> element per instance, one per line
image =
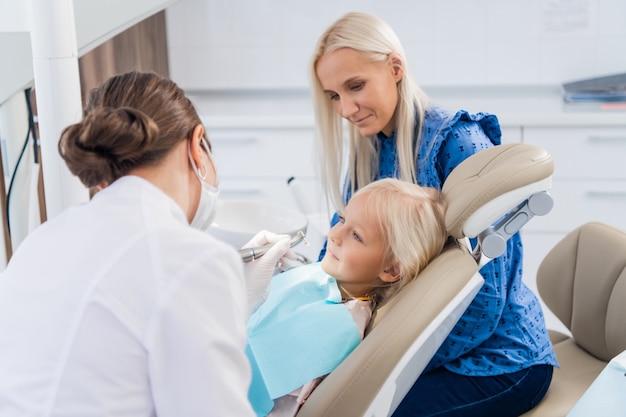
<point x="491" y="183"/>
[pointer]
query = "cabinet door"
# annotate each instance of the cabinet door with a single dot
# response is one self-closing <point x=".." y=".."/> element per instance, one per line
<point x="583" y="153"/>
<point x="277" y="153"/>
<point x="589" y="182"/>
<point x="580" y="201"/>
<point x="274" y="190"/>
<point x="511" y="134"/>
<point x="536" y="247"/>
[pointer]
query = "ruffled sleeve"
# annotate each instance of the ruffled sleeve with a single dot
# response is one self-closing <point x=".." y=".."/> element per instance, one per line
<point x="449" y="138"/>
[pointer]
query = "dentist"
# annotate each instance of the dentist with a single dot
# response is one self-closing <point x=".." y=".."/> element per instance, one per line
<point x="123" y="306"/>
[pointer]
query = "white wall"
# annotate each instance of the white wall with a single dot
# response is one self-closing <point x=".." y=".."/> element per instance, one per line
<point x="16" y="71"/>
<point x="99" y="21"/>
<point x="95" y="22"/>
<point x="233" y="44"/>
<point x="13" y="130"/>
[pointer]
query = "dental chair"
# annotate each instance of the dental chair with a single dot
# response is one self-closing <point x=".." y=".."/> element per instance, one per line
<point x="583" y="282"/>
<point x="491" y="195"/>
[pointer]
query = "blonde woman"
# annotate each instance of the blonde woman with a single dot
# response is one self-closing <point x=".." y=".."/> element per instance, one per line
<point x="498" y="359"/>
<point x="316" y="314"/>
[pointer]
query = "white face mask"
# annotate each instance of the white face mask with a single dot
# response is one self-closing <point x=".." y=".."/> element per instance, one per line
<point x="205" y="214"/>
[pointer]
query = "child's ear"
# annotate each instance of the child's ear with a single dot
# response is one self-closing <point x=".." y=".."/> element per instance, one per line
<point x="391" y="273"/>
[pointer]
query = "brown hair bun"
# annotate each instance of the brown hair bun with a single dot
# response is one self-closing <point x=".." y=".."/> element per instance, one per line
<point x="107" y="144"/>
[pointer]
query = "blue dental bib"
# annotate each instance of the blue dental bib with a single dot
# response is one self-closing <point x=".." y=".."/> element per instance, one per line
<point x="301" y="332"/>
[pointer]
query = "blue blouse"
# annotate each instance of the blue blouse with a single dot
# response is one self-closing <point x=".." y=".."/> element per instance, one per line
<point x="503" y="329"/>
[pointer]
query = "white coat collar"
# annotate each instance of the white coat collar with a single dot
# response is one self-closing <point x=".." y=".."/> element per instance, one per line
<point x="149" y="194"/>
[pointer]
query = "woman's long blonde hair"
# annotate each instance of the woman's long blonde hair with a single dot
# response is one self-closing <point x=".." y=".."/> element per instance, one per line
<point x="411" y="220"/>
<point x="375" y="38"/>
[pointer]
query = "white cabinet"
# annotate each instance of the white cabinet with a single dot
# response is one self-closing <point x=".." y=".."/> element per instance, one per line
<point x="264" y="152"/>
<point x="589" y="184"/>
<point x="511" y="134"/>
<point x="536" y="246"/>
<point x="255" y="161"/>
<point x="583" y="152"/>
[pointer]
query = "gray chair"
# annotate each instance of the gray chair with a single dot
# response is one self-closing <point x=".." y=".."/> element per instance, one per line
<point x="490" y="196"/>
<point x="583" y="282"/>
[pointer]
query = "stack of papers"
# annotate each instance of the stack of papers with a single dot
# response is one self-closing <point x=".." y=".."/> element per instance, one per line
<point x="608" y="89"/>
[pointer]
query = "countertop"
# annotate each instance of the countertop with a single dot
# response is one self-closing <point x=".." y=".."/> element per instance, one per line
<point x="537" y="106"/>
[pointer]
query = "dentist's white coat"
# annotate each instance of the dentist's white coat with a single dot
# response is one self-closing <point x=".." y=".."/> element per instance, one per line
<point x="118" y="308"/>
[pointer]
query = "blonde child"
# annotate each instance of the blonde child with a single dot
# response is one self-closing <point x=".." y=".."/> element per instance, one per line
<point x="316" y="314"/>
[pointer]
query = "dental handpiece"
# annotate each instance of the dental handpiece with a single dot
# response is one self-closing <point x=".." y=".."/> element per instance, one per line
<point x="250" y="254"/>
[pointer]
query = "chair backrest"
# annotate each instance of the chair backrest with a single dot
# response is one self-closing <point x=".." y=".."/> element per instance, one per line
<point x="384" y="365"/>
<point x="408" y="330"/>
<point x="583" y="282"/>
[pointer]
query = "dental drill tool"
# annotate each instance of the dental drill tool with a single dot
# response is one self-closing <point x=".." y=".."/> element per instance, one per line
<point x="250" y="254"/>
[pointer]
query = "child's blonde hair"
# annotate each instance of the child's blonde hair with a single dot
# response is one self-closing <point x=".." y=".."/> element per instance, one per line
<point x="411" y="221"/>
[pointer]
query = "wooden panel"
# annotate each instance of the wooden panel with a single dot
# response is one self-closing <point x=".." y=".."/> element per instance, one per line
<point x="142" y="47"/>
<point x="97" y="21"/>
<point x="5" y="216"/>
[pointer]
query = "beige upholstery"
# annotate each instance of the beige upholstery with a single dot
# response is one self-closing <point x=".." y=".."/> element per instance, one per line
<point x="583" y="282"/>
<point x="507" y="174"/>
<point x="409" y="329"/>
<point x="348" y="390"/>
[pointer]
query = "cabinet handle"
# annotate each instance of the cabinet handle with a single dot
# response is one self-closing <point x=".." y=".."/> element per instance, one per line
<point x="607" y="195"/>
<point x="236" y="140"/>
<point x="608" y="139"/>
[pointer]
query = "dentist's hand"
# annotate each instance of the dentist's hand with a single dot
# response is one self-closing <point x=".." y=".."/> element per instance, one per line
<point x="259" y="271"/>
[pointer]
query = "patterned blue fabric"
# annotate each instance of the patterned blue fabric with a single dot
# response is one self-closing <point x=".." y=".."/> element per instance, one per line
<point x="503" y="330"/>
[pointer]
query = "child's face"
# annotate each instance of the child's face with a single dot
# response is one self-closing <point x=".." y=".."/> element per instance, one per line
<point x="355" y="250"/>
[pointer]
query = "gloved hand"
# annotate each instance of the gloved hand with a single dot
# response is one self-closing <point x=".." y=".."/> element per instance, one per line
<point x="259" y="272"/>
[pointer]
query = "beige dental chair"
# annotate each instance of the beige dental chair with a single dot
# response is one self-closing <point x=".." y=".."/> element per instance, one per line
<point x="583" y="282"/>
<point x="490" y="196"/>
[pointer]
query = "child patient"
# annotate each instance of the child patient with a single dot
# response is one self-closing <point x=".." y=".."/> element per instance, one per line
<point x="316" y="314"/>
